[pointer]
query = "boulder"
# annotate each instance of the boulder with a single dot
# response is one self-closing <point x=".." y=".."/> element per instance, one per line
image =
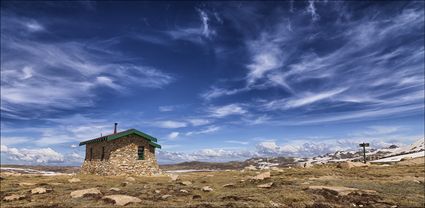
<point x="114" y="189"/>
<point x="121" y="200"/>
<point x="265" y="185"/>
<point x="174" y="177"/>
<point x="229" y="185"/>
<point x="186" y="183"/>
<point x="340" y="190"/>
<point x="74" y="180"/>
<point x="349" y="164"/>
<point x="131" y="179"/>
<point x="206" y="189"/>
<point x="184" y="191"/>
<point x="251" y="168"/>
<point x="14" y="197"/>
<point x="261" y="176"/>
<point x="40" y="190"/>
<point x="85" y="192"/>
<point x="26" y="184"/>
<point x="165" y="197"/>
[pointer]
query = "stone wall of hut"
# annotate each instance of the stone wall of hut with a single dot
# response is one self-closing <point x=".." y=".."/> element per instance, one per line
<point x="120" y="158"/>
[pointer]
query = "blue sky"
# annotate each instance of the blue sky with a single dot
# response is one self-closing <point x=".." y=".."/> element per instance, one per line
<point x="214" y="81"/>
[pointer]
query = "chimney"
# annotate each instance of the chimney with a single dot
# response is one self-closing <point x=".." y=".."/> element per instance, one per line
<point x="115" y="128"/>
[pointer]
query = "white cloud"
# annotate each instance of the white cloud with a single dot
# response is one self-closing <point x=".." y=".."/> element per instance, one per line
<point x="311" y="9"/>
<point x="166" y="108"/>
<point x="236" y="142"/>
<point x="302" y="100"/>
<point x="43" y="155"/>
<point x="171" y="124"/>
<point x="198" y="121"/>
<point x="206" y="30"/>
<point x="34" y="26"/>
<point x="207" y="130"/>
<point x="227" y="110"/>
<point x="173" y="135"/>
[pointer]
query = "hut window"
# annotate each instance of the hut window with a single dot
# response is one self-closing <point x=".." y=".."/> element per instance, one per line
<point x="103" y="153"/>
<point x="141" y="152"/>
<point x="91" y="153"/>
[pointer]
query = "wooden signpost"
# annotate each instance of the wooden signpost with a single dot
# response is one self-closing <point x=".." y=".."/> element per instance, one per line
<point x="364" y="145"/>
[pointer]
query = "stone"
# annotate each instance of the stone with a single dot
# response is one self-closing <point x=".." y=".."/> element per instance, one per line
<point x="261" y="176"/>
<point x="125" y="183"/>
<point x="14" y="197"/>
<point x="74" y="180"/>
<point x="274" y="204"/>
<point x="85" y="192"/>
<point x="337" y="190"/>
<point x="174" y="177"/>
<point x="184" y="191"/>
<point x="165" y="197"/>
<point x="206" y="189"/>
<point x="349" y="165"/>
<point x="157" y="191"/>
<point x="196" y="197"/>
<point x="186" y="183"/>
<point x="40" y="190"/>
<point x="26" y="184"/>
<point x="114" y="189"/>
<point x="265" y="185"/>
<point x="229" y="185"/>
<point x="251" y="167"/>
<point x="121" y="200"/>
<point x="131" y="179"/>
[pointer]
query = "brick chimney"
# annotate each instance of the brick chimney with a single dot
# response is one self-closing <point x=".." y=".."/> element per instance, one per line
<point x="115" y="128"/>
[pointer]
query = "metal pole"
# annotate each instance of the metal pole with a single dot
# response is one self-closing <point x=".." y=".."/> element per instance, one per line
<point x="364" y="154"/>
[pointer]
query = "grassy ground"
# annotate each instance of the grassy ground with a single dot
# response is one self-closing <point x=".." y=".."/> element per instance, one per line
<point x="394" y="185"/>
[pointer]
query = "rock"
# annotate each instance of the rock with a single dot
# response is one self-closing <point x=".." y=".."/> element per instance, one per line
<point x="121" y="200"/>
<point x="26" y="184"/>
<point x="265" y="185"/>
<point x="251" y="167"/>
<point x="229" y="185"/>
<point x="196" y="197"/>
<point x="74" y="180"/>
<point x="337" y="190"/>
<point x="157" y="191"/>
<point x="131" y="179"/>
<point x="40" y="190"/>
<point x="406" y="158"/>
<point x="349" y="164"/>
<point x="174" y="177"/>
<point x="261" y="176"/>
<point x="206" y="189"/>
<point x="125" y="183"/>
<point x="184" y="191"/>
<point x="85" y="192"/>
<point x="114" y="189"/>
<point x="165" y="197"/>
<point x="186" y="183"/>
<point x="274" y="204"/>
<point x="14" y="197"/>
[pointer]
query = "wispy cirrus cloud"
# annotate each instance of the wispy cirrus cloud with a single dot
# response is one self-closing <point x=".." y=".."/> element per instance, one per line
<point x="227" y="110"/>
<point x="62" y="75"/>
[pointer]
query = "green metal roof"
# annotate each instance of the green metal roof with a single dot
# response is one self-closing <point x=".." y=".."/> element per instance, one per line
<point x="118" y="135"/>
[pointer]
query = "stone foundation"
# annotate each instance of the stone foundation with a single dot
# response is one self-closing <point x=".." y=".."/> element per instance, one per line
<point x="120" y="158"/>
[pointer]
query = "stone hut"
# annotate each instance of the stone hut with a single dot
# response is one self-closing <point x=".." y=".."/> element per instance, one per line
<point x="129" y="152"/>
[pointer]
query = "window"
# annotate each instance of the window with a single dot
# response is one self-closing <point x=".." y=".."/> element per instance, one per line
<point x="103" y="153"/>
<point x="141" y="152"/>
<point x="91" y="153"/>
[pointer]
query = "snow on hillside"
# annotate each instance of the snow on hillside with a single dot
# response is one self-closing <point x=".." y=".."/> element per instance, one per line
<point x="399" y="157"/>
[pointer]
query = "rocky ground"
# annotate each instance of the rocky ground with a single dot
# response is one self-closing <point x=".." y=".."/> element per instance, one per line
<point x="318" y="186"/>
